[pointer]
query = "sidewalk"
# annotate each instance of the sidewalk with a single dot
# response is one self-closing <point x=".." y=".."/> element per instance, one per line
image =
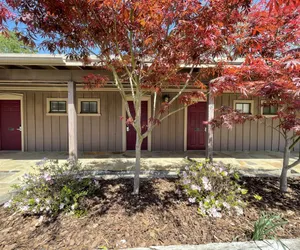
<point x="292" y="244"/>
<point x="13" y="165"/>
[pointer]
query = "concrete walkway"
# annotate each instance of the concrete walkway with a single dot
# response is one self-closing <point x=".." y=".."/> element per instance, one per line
<point x="14" y="164"/>
<point x="291" y="244"/>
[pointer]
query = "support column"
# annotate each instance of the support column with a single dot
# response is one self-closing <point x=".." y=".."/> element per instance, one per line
<point x="72" y="121"/>
<point x="210" y="132"/>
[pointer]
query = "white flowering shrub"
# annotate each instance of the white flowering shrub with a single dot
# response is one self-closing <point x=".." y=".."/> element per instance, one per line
<point x="214" y="188"/>
<point x="53" y="188"/>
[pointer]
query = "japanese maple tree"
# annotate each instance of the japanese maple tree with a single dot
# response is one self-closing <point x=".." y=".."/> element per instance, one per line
<point x="145" y="44"/>
<point x="269" y="41"/>
<point x="5" y="15"/>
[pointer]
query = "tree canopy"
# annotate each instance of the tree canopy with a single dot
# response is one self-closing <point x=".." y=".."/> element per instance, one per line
<point x="149" y="46"/>
<point x="9" y="43"/>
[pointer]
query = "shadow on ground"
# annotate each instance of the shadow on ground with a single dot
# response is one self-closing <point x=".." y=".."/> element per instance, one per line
<point x="268" y="189"/>
<point x="117" y="194"/>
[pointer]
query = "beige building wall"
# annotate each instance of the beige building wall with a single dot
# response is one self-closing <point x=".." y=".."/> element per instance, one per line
<point x="104" y="133"/>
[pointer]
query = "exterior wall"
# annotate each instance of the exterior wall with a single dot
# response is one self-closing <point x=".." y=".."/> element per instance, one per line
<point x="251" y="136"/>
<point x="169" y="135"/>
<point x="104" y="133"/>
<point x="50" y="133"/>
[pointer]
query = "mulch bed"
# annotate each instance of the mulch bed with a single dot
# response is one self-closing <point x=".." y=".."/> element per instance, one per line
<point x="117" y="219"/>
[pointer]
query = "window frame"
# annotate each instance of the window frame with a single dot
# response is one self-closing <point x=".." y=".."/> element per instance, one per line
<point x="48" y="107"/>
<point x="251" y="102"/>
<point x="262" y="110"/>
<point x="88" y="100"/>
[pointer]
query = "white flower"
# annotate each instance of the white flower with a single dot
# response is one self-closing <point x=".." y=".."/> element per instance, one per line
<point x="214" y="213"/>
<point x="37" y="200"/>
<point x="73" y="207"/>
<point x="239" y="210"/>
<point x="195" y="187"/>
<point x="192" y="200"/>
<point x="47" y="177"/>
<point x="7" y="204"/>
<point x="186" y="181"/>
<point x="226" y="205"/>
<point x="47" y="208"/>
<point x="24" y="208"/>
<point x="61" y="206"/>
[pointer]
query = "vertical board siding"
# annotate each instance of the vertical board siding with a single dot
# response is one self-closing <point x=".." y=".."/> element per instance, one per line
<point x="31" y="121"/>
<point x="39" y="122"/>
<point x="104" y="133"/>
<point x="95" y="130"/>
<point x="250" y="136"/>
<point x="47" y="128"/>
<point x="169" y="135"/>
<point x="104" y="122"/>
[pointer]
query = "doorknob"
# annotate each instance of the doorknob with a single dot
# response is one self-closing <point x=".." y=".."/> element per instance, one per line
<point x="127" y="128"/>
<point x="20" y="128"/>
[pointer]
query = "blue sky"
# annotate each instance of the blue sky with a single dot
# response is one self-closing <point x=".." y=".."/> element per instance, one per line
<point x="11" y="25"/>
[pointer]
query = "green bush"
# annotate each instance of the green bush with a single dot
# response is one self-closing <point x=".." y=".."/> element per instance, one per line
<point x="53" y="188"/>
<point x="267" y="225"/>
<point x="214" y="188"/>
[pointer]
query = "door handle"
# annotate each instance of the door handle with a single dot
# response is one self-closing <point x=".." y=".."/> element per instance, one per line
<point x="20" y="128"/>
<point x="127" y="128"/>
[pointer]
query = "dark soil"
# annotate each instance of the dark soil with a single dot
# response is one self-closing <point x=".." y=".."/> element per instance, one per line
<point x="117" y="219"/>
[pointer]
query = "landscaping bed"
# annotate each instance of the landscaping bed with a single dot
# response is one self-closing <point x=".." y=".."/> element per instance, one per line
<point x="159" y="216"/>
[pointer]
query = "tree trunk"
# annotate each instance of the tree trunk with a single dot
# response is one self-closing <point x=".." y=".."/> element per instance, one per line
<point x="138" y="144"/>
<point x="284" y="171"/>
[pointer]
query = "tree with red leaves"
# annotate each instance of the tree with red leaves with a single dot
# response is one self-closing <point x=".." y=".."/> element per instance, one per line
<point x="147" y="45"/>
<point x="271" y="71"/>
<point x="5" y="14"/>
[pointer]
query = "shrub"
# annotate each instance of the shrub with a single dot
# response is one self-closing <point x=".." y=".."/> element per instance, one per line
<point x="214" y="188"/>
<point x="267" y="225"/>
<point x="53" y="188"/>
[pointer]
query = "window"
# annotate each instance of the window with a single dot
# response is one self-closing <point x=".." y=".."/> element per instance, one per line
<point x="269" y="110"/>
<point x="90" y="107"/>
<point x="244" y="106"/>
<point x="57" y="106"/>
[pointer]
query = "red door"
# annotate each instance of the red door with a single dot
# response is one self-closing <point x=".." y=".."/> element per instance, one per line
<point x="10" y="124"/>
<point x="195" y="127"/>
<point x="130" y="131"/>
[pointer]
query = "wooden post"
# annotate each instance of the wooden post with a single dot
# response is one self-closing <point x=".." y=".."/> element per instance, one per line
<point x="210" y="132"/>
<point x="72" y="121"/>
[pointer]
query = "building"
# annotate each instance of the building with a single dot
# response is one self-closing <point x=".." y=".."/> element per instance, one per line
<point x="36" y="91"/>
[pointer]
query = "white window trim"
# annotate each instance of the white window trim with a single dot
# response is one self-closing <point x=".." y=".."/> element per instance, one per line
<point x="262" y="110"/>
<point x="89" y="100"/>
<point x="245" y="101"/>
<point x="48" y="113"/>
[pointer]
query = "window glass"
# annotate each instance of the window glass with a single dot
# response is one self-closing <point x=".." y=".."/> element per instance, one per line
<point x="239" y="107"/>
<point x="58" y="106"/>
<point x="244" y="108"/>
<point x="93" y="107"/>
<point x="89" y="107"/>
<point x="273" y="109"/>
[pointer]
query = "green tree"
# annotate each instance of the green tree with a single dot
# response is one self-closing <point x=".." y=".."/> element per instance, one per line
<point x="11" y="44"/>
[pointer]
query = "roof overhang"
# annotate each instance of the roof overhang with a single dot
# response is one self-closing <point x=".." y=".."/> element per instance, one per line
<point x="61" y="62"/>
